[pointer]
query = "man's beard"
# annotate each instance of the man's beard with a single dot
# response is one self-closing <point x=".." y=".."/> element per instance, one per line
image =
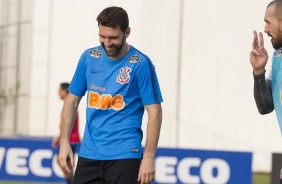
<point x="277" y="42"/>
<point x="116" y="49"/>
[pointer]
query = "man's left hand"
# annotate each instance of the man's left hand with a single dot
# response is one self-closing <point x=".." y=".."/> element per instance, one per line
<point x="147" y="170"/>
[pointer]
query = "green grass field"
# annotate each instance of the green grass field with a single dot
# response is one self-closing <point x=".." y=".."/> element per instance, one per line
<point x="259" y="178"/>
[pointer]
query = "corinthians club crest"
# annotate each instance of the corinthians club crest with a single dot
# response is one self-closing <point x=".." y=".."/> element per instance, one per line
<point x="124" y="76"/>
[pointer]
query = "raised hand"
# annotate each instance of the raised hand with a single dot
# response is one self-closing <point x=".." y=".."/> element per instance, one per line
<point x="258" y="55"/>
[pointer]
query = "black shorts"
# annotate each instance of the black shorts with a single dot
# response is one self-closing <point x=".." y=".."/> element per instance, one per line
<point x="123" y="171"/>
<point x="73" y="148"/>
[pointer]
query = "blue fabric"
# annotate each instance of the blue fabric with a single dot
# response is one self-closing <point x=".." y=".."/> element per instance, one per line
<point x="277" y="85"/>
<point x="117" y="93"/>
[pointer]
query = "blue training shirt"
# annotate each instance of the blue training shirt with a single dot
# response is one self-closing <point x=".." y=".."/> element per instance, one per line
<point x="276" y="77"/>
<point x="117" y="93"/>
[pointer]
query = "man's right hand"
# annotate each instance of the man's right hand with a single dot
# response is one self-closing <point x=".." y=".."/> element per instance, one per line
<point x="258" y="56"/>
<point x="65" y="153"/>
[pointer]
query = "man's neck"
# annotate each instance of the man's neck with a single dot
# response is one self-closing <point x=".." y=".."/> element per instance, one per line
<point x="123" y="52"/>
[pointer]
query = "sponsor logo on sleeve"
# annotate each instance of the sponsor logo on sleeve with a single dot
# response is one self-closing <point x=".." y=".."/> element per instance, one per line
<point x="134" y="59"/>
<point x="96" y="53"/>
<point x="124" y="76"/>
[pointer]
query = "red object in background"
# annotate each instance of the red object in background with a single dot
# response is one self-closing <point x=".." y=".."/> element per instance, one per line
<point x="74" y="137"/>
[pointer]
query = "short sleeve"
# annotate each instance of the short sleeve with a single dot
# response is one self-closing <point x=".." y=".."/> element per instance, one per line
<point x="148" y="83"/>
<point x="78" y="85"/>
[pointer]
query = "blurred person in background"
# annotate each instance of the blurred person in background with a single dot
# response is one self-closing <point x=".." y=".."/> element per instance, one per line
<point x="74" y="136"/>
<point x="121" y="82"/>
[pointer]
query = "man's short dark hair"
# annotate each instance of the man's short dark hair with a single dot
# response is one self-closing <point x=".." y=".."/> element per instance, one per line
<point x="114" y="17"/>
<point x="65" y="86"/>
<point x="278" y="8"/>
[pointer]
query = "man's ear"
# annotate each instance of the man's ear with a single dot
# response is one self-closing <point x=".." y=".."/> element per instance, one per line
<point x="127" y="32"/>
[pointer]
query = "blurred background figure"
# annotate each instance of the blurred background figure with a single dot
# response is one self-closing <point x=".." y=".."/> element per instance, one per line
<point x="74" y="137"/>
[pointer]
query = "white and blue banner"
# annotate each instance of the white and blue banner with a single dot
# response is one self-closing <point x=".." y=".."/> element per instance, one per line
<point x="203" y="167"/>
<point x="29" y="159"/>
<point x="33" y="159"/>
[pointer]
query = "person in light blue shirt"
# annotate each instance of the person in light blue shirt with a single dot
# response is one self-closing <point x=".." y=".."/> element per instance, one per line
<point x="268" y="91"/>
<point x="120" y="82"/>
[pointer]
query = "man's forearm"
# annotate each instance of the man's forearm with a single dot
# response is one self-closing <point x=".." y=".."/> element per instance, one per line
<point x="263" y="94"/>
<point x="68" y="117"/>
<point x="153" y="133"/>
